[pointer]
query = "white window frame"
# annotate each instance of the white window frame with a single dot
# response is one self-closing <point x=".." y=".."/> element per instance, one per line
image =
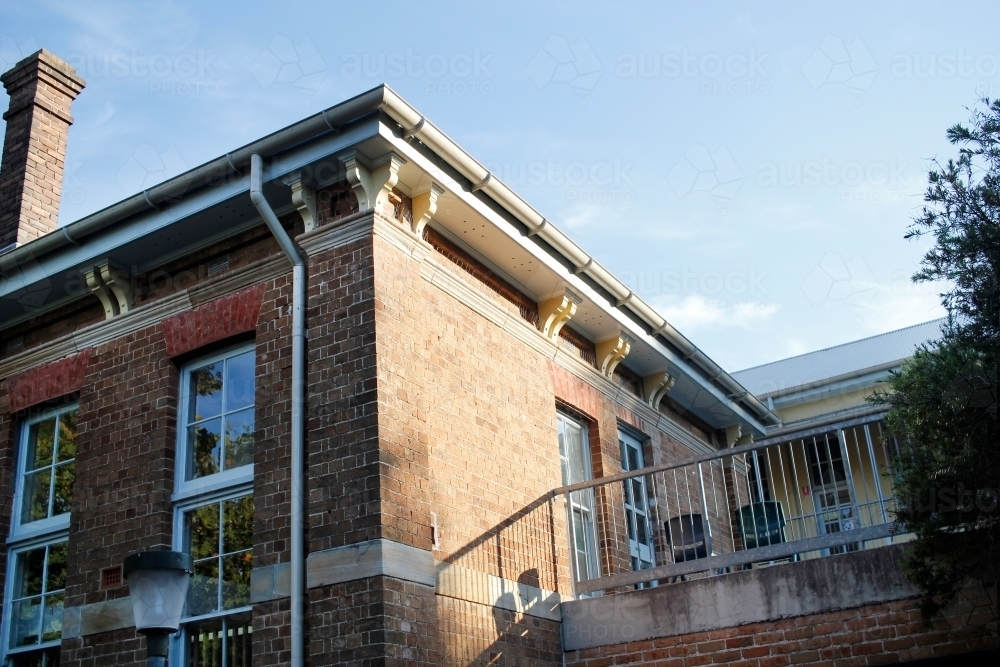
<point x="178" y="645"/>
<point x="13" y="553"/>
<point x="200" y="491"/>
<point x="583" y="502"/>
<point x="644" y="513"/>
<point x="201" y="487"/>
<point x="42" y="527"/>
<point x="25" y="537"/>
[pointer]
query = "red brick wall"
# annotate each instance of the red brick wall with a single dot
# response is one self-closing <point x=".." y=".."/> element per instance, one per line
<point x="417" y="405"/>
<point x="125" y="462"/>
<point x="876" y="634"/>
<point x="467" y="429"/>
<point x="343" y="466"/>
<point x="474" y="634"/>
<point x="466" y="416"/>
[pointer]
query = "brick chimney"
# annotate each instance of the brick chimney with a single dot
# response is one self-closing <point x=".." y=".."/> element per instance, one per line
<point x="41" y="87"/>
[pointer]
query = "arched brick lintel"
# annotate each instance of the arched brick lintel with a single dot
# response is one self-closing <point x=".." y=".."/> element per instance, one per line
<point x="214" y="321"/>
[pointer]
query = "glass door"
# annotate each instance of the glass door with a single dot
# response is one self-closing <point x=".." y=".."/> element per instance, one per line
<point x="574" y="454"/>
<point x="830" y="488"/>
<point x="640" y="527"/>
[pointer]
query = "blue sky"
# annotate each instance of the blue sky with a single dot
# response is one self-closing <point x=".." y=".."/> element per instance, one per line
<point x="750" y="171"/>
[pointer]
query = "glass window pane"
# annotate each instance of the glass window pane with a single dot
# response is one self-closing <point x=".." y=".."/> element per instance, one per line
<point x="578" y="455"/>
<point x="633" y="459"/>
<point x="239" y="439"/>
<point x="563" y="465"/>
<point x="55" y="579"/>
<point x="31" y="570"/>
<point x="204" y="441"/>
<point x="203" y="531"/>
<point x="203" y="594"/>
<point x="236" y="579"/>
<point x="638" y="497"/>
<point x="41" y="441"/>
<point x="67" y="436"/>
<point x="578" y="533"/>
<point x="52" y="620"/>
<point x="240" y="381"/>
<point x="206" y="392"/>
<point x="237" y="532"/>
<point x="26" y="622"/>
<point x="35" y="503"/>
<point x="63" y="488"/>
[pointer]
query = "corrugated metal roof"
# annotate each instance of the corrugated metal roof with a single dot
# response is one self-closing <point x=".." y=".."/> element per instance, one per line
<point x="839" y="360"/>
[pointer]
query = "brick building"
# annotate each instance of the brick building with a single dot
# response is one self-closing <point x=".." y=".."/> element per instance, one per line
<point x="393" y="413"/>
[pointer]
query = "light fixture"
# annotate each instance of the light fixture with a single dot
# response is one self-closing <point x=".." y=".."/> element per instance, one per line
<point x="158" y="585"/>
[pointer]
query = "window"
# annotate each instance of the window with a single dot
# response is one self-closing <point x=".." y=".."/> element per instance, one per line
<point x="214" y="511"/>
<point x="37" y="596"/>
<point x="217" y="418"/>
<point x="36" y="581"/>
<point x="46" y="466"/>
<point x="574" y="454"/>
<point x="219" y="536"/>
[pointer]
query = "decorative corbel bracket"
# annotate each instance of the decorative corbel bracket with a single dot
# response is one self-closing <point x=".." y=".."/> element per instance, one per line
<point x="304" y="198"/>
<point x="611" y="351"/>
<point x="733" y="434"/>
<point x="656" y="386"/>
<point x="424" y="207"/>
<point x="112" y="287"/>
<point x="555" y="312"/>
<point x="372" y="180"/>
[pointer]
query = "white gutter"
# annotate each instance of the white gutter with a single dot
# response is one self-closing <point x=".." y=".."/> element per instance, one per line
<point x="298" y="555"/>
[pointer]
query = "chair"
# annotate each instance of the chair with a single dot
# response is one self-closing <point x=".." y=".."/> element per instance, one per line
<point x="762" y="524"/>
<point x="686" y="537"/>
<point x="687" y="541"/>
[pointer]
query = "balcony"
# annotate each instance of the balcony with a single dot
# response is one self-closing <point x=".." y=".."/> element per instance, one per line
<point x="820" y="493"/>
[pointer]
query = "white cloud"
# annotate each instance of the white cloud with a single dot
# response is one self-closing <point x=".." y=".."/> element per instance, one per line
<point x="695" y="312"/>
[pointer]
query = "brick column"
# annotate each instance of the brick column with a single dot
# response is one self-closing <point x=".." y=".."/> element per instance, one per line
<point x="41" y="87"/>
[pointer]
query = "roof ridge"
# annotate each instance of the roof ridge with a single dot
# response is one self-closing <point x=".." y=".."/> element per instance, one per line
<point x="834" y="347"/>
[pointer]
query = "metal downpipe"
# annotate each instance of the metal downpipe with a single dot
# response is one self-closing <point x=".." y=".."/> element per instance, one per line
<point x="298" y="555"/>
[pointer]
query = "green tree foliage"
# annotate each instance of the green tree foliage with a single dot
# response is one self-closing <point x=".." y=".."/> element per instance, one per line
<point x="943" y="402"/>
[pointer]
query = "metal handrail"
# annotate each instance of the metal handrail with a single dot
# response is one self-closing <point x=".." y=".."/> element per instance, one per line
<point x="719" y="454"/>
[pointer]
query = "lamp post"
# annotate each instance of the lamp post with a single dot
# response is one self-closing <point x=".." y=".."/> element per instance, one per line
<point x="157" y="585"/>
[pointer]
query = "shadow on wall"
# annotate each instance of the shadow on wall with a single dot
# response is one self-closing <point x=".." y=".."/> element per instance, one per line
<point x="534" y="523"/>
<point x="508" y="610"/>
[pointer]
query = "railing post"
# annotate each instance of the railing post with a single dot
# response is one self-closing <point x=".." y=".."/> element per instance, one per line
<point x="842" y="441"/>
<point x="704" y="512"/>
<point x="574" y="574"/>
<point x="756" y="477"/>
<point x="877" y="475"/>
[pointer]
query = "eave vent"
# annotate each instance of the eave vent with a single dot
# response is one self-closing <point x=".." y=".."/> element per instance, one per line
<point x="218" y="265"/>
